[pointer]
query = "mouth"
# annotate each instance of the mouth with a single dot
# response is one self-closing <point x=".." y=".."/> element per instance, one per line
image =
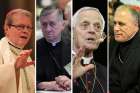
<point x="118" y="34"/>
<point x="90" y="39"/>
<point x="50" y="34"/>
<point x="24" y="37"/>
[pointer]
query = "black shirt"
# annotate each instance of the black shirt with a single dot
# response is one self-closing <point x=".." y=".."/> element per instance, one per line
<point x="51" y="60"/>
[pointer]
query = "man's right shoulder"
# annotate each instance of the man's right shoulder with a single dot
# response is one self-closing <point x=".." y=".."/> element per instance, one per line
<point x="41" y="44"/>
<point x="3" y="46"/>
<point x="41" y="41"/>
<point x="3" y="43"/>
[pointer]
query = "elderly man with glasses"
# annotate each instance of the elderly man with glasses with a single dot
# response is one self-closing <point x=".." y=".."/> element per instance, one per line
<point x="89" y="76"/>
<point x="16" y="66"/>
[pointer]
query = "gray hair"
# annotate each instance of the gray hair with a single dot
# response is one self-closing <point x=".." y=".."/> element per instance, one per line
<point x="75" y="17"/>
<point x="50" y="9"/>
<point x="133" y="12"/>
<point x="9" y="19"/>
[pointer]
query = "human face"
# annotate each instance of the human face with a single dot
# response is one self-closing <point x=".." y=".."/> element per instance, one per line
<point x="125" y="27"/>
<point x="52" y="27"/>
<point x="19" y="32"/>
<point x="88" y="30"/>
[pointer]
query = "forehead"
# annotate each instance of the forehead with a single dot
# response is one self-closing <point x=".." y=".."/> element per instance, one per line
<point x="21" y="18"/>
<point x="123" y="15"/>
<point x="90" y="16"/>
<point x="49" y="17"/>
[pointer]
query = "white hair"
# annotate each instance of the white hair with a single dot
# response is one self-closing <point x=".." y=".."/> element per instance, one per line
<point x="75" y="17"/>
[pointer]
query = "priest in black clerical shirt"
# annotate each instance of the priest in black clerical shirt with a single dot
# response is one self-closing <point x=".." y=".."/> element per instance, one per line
<point x="124" y="76"/>
<point x="53" y="52"/>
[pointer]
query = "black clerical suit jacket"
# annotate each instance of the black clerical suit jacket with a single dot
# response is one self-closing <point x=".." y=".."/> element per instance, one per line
<point x="125" y="77"/>
<point x="52" y="59"/>
<point x="100" y="83"/>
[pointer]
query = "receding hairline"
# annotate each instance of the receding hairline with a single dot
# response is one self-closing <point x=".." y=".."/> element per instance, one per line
<point x="130" y="10"/>
<point x="76" y="15"/>
<point x="90" y="11"/>
<point x="19" y="11"/>
<point x="10" y="14"/>
<point x="51" y="9"/>
<point x="48" y="10"/>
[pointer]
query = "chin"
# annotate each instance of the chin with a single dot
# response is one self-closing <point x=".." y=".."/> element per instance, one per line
<point x="120" y="40"/>
<point x="22" y="44"/>
<point x="92" y="47"/>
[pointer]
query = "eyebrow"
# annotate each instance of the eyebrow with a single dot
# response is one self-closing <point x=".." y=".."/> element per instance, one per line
<point x="85" y="22"/>
<point x="97" y="23"/>
<point x="119" y="22"/>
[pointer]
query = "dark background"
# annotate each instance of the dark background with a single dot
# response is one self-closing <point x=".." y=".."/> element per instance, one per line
<point x="100" y="55"/>
<point x="7" y="5"/>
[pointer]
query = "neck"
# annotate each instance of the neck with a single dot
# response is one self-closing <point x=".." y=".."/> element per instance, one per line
<point x="87" y="53"/>
<point x="54" y="41"/>
<point x="14" y="45"/>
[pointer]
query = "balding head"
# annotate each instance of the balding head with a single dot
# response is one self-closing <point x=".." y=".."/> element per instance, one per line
<point x="126" y="23"/>
<point x="83" y="10"/>
<point x="130" y="11"/>
<point x="88" y="25"/>
<point x="9" y="17"/>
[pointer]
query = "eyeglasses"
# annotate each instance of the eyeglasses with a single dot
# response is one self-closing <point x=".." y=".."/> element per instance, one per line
<point x="87" y="25"/>
<point x="22" y="27"/>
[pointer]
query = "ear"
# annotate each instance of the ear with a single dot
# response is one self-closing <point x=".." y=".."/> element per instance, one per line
<point x="6" y="28"/>
<point x="63" y="25"/>
<point x="103" y="36"/>
<point x="137" y="26"/>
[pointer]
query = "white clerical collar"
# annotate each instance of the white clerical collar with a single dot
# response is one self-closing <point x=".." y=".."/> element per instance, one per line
<point x="73" y="52"/>
<point x="86" y="60"/>
<point x="54" y="43"/>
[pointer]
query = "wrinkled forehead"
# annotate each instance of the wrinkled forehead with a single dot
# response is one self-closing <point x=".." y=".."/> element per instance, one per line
<point x="127" y="11"/>
<point x="19" y="16"/>
<point x="90" y="16"/>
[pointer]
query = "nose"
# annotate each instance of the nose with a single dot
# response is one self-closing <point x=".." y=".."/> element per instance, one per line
<point x="48" y="28"/>
<point x="116" y="27"/>
<point x="25" y="29"/>
<point x="92" y="29"/>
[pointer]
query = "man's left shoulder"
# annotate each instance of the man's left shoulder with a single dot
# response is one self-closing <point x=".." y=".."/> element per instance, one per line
<point x="101" y="70"/>
<point x="100" y="66"/>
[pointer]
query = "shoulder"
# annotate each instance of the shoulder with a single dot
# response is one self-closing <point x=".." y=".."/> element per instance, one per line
<point x="3" y="44"/>
<point x="101" y="71"/>
<point x="4" y="48"/>
<point x="101" y="67"/>
<point x="41" y="42"/>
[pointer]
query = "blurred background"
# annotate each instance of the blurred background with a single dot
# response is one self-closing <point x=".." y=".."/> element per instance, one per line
<point x="64" y="5"/>
<point x="7" y="5"/>
<point x="112" y="5"/>
<point x="100" y="55"/>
